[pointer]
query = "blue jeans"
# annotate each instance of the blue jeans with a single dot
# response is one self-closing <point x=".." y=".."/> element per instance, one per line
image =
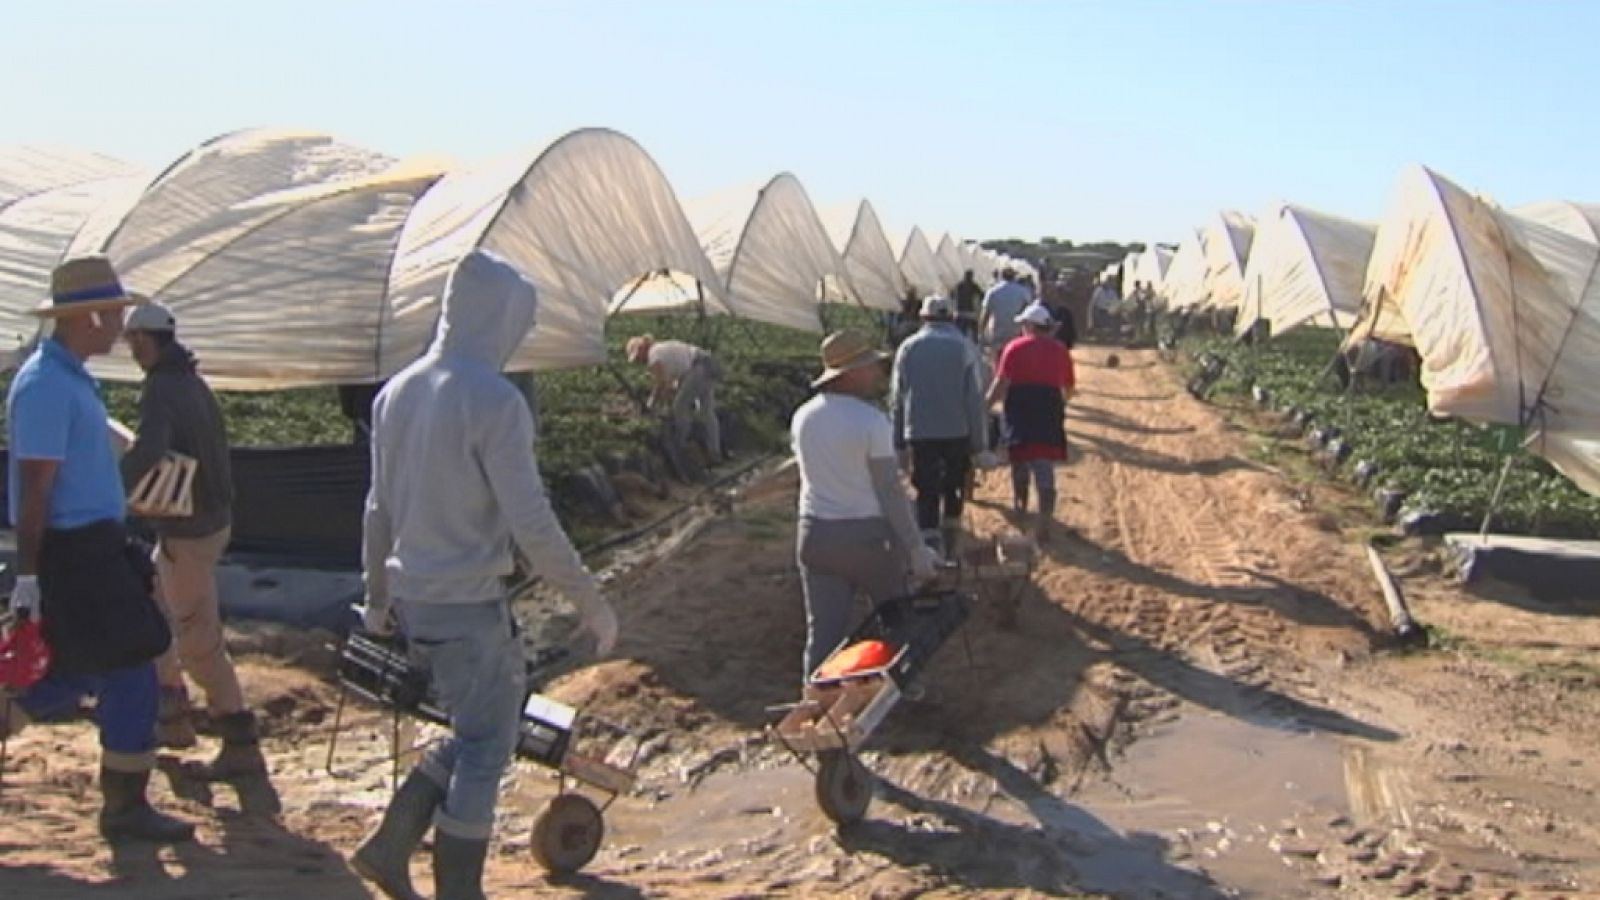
<point x="1043" y="473"/>
<point x="126" y="701"/>
<point x="479" y="677"/>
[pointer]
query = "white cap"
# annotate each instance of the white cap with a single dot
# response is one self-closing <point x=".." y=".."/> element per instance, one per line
<point x="1036" y="315"/>
<point x="150" y="317"/>
<point x="935" y="307"/>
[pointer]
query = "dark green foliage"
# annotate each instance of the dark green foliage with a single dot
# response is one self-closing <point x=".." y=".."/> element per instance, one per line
<point x="1445" y="466"/>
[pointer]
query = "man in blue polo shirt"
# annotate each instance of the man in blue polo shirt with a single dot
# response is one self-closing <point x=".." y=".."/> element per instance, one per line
<point x="75" y="571"/>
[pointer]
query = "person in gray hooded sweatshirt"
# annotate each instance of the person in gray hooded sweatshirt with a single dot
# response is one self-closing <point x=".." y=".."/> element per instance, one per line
<point x="454" y="487"/>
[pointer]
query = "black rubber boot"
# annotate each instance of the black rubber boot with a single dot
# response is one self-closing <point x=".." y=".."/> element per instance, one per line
<point x="385" y="857"/>
<point x="240" y="755"/>
<point x="128" y="815"/>
<point x="458" y="867"/>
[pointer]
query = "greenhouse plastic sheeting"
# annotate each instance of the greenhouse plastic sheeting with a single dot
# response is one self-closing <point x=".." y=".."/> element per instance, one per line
<point x="299" y="297"/>
<point x="868" y="257"/>
<point x="581" y="220"/>
<point x="951" y="266"/>
<point x="1226" y="241"/>
<point x="36" y="228"/>
<point x="1185" y="280"/>
<point x="918" y="264"/>
<point x="785" y="265"/>
<point x="1305" y="267"/>
<point x="1502" y="307"/>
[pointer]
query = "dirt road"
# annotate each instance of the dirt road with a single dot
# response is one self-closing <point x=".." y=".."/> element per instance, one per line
<point x="1196" y="700"/>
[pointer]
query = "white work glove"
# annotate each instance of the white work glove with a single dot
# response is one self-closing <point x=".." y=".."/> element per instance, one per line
<point x="600" y="620"/>
<point x="377" y="617"/>
<point x="25" y="596"/>
<point x="925" y="563"/>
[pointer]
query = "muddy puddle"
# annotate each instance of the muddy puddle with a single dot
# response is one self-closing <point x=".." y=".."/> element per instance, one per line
<point x="1226" y="796"/>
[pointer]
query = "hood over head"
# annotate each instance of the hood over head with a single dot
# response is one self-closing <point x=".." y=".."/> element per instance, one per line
<point x="489" y="308"/>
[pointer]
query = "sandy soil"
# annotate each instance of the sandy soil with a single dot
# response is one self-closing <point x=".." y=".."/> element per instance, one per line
<point x="1198" y="698"/>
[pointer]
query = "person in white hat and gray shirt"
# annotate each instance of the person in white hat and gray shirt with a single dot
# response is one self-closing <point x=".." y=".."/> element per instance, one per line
<point x="936" y="402"/>
<point x="455" y="487"/>
<point x="75" y="567"/>
<point x="857" y="533"/>
<point x="179" y="414"/>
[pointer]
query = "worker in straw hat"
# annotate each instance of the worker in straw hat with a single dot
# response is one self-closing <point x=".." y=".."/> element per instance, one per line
<point x="75" y="568"/>
<point x="685" y="377"/>
<point x="857" y="533"/>
<point x="179" y="414"/>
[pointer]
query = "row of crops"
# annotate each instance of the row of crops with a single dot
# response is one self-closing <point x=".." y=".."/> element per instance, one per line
<point x="1430" y="475"/>
<point x="586" y="416"/>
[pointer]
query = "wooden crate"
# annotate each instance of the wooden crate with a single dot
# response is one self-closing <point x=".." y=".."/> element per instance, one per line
<point x="840" y="715"/>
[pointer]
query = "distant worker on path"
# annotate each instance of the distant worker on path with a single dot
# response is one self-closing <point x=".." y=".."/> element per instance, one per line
<point x="969" y="297"/>
<point x="455" y="487"/>
<point x="684" y="378"/>
<point x="1034" y="380"/>
<point x="857" y="533"/>
<point x="179" y="414"/>
<point x="1001" y="306"/>
<point x="936" y="402"/>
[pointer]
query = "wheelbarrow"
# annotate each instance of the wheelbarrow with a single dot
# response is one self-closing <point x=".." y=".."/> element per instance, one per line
<point x="568" y="831"/>
<point x="836" y="715"/>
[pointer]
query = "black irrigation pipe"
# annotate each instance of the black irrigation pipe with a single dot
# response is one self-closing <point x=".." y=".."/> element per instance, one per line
<point x="643" y="531"/>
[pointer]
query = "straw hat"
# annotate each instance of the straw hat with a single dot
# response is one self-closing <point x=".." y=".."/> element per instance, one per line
<point x="84" y="285"/>
<point x="638" y="348"/>
<point x="845" y="351"/>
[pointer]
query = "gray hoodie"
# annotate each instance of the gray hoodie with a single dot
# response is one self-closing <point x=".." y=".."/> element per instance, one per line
<point x="454" y="481"/>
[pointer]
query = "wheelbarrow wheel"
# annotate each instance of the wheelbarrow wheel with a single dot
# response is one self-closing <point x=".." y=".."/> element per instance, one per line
<point x="567" y="834"/>
<point x="844" y="787"/>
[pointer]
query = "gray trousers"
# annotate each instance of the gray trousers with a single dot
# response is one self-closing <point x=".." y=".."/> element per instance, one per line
<point x="696" y="400"/>
<point x="839" y="559"/>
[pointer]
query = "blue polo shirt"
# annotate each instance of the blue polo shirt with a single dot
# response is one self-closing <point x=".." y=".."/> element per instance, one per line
<point x="54" y="411"/>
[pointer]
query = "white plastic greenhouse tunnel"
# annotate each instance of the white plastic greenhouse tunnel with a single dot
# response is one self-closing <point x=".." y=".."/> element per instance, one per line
<point x="951" y="265"/>
<point x="771" y="252"/>
<point x="868" y="256"/>
<point x="1503" y="307"/>
<point x="46" y="196"/>
<point x="1152" y="266"/>
<point x="918" y="263"/>
<point x="1306" y="268"/>
<point x="1225" y="241"/>
<point x="582" y="219"/>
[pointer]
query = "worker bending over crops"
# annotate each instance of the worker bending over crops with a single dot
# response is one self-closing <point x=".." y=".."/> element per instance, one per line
<point x="685" y="377"/>
<point x="856" y="531"/>
<point x="455" y="486"/>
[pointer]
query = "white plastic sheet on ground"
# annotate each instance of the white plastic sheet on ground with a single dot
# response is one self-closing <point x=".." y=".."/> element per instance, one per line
<point x="46" y="195"/>
<point x="918" y="264"/>
<point x="1502" y="307"/>
<point x="582" y="220"/>
<point x="868" y="256"/>
<point x="1305" y="267"/>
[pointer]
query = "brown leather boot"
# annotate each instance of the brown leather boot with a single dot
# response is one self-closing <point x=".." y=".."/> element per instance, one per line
<point x="241" y="748"/>
<point x="175" y="720"/>
<point x="128" y="815"/>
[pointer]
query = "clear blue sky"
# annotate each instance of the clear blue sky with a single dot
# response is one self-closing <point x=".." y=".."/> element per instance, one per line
<point x="1127" y="120"/>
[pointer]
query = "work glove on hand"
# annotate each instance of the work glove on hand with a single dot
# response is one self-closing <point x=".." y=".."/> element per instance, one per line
<point x="600" y="620"/>
<point x="377" y="617"/>
<point x="925" y="564"/>
<point x="25" y="596"/>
